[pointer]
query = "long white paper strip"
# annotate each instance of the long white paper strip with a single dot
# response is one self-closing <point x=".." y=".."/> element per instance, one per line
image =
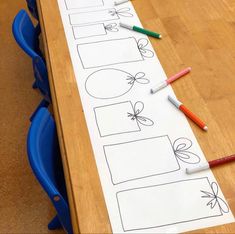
<point x="141" y="143"/>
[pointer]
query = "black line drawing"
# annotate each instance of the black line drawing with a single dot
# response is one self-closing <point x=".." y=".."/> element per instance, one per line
<point x="148" y="202"/>
<point x="110" y="52"/>
<point x="135" y="160"/>
<point x="78" y="4"/>
<point x="114" y="82"/>
<point x="142" y="44"/>
<point x="111" y="27"/>
<point x="181" y="146"/>
<point x="92" y="30"/>
<point x="124" y="113"/>
<point x="138" y="108"/>
<point x="124" y="12"/>
<point x="98" y="16"/>
<point x="215" y="199"/>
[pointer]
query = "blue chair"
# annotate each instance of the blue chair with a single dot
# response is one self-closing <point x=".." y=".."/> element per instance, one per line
<point x="32" y="6"/>
<point x="26" y="35"/>
<point x="44" y="157"/>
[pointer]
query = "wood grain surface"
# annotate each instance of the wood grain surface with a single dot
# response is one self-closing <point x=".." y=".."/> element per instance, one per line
<point x="196" y="33"/>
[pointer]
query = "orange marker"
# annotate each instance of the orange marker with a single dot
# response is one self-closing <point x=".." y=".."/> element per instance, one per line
<point x="188" y="113"/>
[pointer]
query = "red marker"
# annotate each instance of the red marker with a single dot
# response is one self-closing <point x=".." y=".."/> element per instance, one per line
<point x="164" y="83"/>
<point x="210" y="164"/>
<point x="188" y="113"/>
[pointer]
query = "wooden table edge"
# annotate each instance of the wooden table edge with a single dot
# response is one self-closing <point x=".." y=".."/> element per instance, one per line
<point x="73" y="212"/>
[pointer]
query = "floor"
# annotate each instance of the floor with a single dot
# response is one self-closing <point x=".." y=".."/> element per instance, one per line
<point x="24" y="207"/>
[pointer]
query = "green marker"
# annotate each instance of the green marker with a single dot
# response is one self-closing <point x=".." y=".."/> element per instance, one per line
<point x="141" y="30"/>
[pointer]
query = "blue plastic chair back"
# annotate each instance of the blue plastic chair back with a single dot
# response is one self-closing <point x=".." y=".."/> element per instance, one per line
<point x="26" y="35"/>
<point x="45" y="160"/>
<point x="41" y="76"/>
<point x="32" y="6"/>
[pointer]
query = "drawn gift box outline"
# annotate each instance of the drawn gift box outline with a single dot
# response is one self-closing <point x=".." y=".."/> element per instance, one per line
<point x="112" y="27"/>
<point x="180" y="149"/>
<point x="212" y="195"/>
<point x="133" y="114"/>
<point x="70" y="8"/>
<point x="130" y="79"/>
<point x="113" y="13"/>
<point x="140" y="46"/>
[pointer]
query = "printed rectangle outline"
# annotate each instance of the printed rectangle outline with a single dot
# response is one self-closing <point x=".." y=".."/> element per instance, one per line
<point x="158" y="174"/>
<point x="76" y="26"/>
<point x="66" y="5"/>
<point x="138" y="229"/>
<point x="95" y="21"/>
<point x="111" y="63"/>
<point x="113" y="105"/>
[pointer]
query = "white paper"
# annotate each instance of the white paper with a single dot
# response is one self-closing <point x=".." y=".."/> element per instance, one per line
<point x="142" y="144"/>
<point x="119" y="118"/>
<point x="136" y="160"/>
<point x="77" y="4"/>
<point x="110" y="52"/>
<point x="140" y="206"/>
<point x="89" y="31"/>
<point x="100" y="85"/>
<point x="94" y="30"/>
<point x="93" y="16"/>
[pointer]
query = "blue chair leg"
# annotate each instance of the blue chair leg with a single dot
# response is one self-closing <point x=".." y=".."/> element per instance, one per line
<point x="54" y="224"/>
<point x="43" y="103"/>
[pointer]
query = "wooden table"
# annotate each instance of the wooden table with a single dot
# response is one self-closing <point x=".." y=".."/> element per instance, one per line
<point x="197" y="33"/>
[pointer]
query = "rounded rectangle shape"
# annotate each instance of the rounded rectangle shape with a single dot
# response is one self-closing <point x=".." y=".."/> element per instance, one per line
<point x="108" y="116"/>
<point x="140" y="159"/>
<point x="88" y="17"/>
<point x="103" y="53"/>
<point x="89" y="31"/>
<point x="146" y="207"/>
<point x="77" y="4"/>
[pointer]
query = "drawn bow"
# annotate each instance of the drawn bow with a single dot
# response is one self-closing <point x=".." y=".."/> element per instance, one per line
<point x="138" y="108"/>
<point x="215" y="199"/>
<point x="139" y="78"/>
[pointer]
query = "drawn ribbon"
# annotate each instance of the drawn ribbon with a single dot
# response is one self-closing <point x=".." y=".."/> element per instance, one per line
<point x="215" y="199"/>
<point x="139" y="78"/>
<point x="181" y="146"/>
<point x="142" y="44"/>
<point x="121" y="12"/>
<point x="111" y="27"/>
<point x="138" y="108"/>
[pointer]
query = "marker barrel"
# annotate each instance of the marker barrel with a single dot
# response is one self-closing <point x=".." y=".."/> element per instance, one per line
<point x="178" y="75"/>
<point x="188" y="113"/>
<point x="164" y="83"/>
<point x="140" y="30"/>
<point x="193" y="117"/>
<point x="221" y="161"/>
<point x="147" y="32"/>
